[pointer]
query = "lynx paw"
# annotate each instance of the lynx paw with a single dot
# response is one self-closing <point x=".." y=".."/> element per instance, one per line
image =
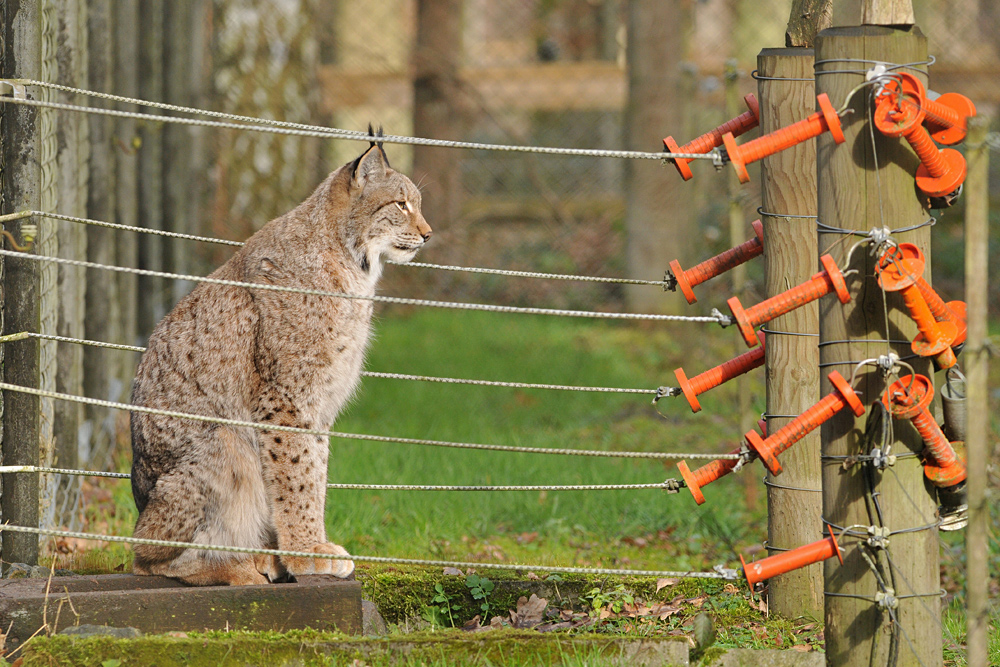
<point x="338" y="567"/>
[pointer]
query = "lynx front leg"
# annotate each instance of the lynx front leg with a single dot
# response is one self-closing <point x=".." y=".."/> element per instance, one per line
<point x="295" y="468"/>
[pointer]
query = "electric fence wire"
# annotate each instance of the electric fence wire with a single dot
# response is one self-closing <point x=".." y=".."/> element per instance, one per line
<point x="359" y="436"/>
<point x="295" y="129"/>
<point x="420" y="265"/>
<point x="718" y="573"/>
<point x="24" y="335"/>
<point x="717" y="317"/>
<point x="338" y="486"/>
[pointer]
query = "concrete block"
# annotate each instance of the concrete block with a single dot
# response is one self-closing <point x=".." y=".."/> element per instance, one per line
<point x="158" y="604"/>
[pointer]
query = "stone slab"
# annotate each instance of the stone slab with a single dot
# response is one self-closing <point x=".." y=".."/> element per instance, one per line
<point x="158" y="604"/>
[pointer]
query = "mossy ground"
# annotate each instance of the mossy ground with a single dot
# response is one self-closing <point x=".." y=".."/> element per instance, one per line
<point x="309" y="649"/>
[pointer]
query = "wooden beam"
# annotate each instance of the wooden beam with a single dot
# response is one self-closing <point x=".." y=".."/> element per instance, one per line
<point x="855" y="194"/>
<point x="977" y="359"/>
<point x="887" y="12"/>
<point x="788" y="186"/>
<point x="21" y="286"/>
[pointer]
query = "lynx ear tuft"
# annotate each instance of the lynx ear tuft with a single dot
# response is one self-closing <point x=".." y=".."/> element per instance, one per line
<point x="379" y="133"/>
<point x="370" y="167"/>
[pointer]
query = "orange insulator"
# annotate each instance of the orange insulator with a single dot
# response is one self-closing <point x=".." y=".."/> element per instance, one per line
<point x="722" y="373"/>
<point x="766" y="568"/>
<point x="786" y="137"/>
<point x="899" y="270"/>
<point x="899" y="113"/>
<point x="717" y="265"/>
<point x="908" y="398"/>
<point x="842" y="396"/>
<point x="745" y="122"/>
<point x="830" y="279"/>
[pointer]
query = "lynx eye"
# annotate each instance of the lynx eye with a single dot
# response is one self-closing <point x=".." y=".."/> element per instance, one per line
<point x="403" y="206"/>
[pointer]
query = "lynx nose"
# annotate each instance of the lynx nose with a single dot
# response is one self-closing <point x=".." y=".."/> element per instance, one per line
<point x="426" y="235"/>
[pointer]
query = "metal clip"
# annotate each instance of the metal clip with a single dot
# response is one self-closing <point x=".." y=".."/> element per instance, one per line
<point x="878" y="537"/>
<point x="887" y="599"/>
<point x="14" y="88"/>
<point x="882" y="460"/>
<point x="671" y="486"/>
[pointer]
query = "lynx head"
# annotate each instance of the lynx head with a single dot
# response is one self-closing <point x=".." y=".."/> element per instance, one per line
<point x="385" y="210"/>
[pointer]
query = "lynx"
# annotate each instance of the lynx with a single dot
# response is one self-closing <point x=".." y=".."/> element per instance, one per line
<point x="269" y="357"/>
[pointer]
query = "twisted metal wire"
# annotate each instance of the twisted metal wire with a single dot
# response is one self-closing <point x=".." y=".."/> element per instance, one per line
<point x="419" y="265"/>
<point x="718" y="318"/>
<point x="719" y="573"/>
<point x="663" y="486"/>
<point x="335" y="133"/>
<point x="24" y="335"/>
<point x="359" y="436"/>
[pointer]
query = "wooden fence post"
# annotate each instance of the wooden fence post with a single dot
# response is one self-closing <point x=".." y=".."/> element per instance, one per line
<point x="977" y="213"/>
<point x="62" y="493"/>
<point x="21" y="285"/>
<point x="864" y="183"/>
<point x="788" y="197"/>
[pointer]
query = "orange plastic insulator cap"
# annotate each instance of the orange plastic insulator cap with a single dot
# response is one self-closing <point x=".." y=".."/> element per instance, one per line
<point x="772" y="566"/>
<point x="745" y="122"/>
<point x="954" y="109"/>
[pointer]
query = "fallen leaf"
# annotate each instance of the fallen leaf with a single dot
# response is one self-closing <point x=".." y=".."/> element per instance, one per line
<point x="802" y="648"/>
<point x="605" y="613"/>
<point x="178" y="634"/>
<point x="663" y="583"/>
<point x="452" y="572"/>
<point x="527" y="538"/>
<point x="762" y="606"/>
<point x="530" y="610"/>
<point x="472" y="624"/>
<point x="496" y="623"/>
<point x="732" y="589"/>
<point x="533" y="577"/>
<point x="698" y="601"/>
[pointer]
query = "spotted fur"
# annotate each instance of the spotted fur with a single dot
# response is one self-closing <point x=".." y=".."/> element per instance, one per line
<point x="268" y="357"/>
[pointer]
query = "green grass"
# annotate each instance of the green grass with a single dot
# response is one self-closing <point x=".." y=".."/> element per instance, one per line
<point x="572" y="527"/>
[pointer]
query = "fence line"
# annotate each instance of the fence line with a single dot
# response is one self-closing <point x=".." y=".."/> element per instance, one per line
<point x="718" y="573"/>
<point x="420" y="265"/>
<point x="717" y="317"/>
<point x="359" y="436"/>
<point x="23" y="335"/>
<point x="336" y="133"/>
<point x="669" y="485"/>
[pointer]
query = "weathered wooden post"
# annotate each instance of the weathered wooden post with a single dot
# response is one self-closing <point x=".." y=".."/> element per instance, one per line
<point x="864" y="183"/>
<point x="60" y="494"/>
<point x="21" y="284"/>
<point x="788" y="197"/>
<point x="977" y="211"/>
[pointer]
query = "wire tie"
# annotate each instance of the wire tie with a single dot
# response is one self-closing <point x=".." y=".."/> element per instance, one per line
<point x="669" y="281"/>
<point x="671" y="485"/>
<point x="878" y="537"/>
<point x="882" y="460"/>
<point x="879" y="235"/>
<point x="663" y="392"/>
<point x="746" y="456"/>
<point x="726" y="572"/>
<point x="887" y="599"/>
<point x="722" y="318"/>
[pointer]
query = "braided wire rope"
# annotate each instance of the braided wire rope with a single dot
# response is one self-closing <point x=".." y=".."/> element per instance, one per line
<point x="718" y="318"/>
<point x="419" y="265"/>
<point x="718" y="573"/>
<point x="663" y="486"/>
<point x="335" y="133"/>
<point x="359" y="436"/>
<point x="23" y="335"/>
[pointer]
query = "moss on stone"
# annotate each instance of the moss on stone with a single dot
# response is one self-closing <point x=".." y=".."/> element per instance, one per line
<point x="308" y="649"/>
